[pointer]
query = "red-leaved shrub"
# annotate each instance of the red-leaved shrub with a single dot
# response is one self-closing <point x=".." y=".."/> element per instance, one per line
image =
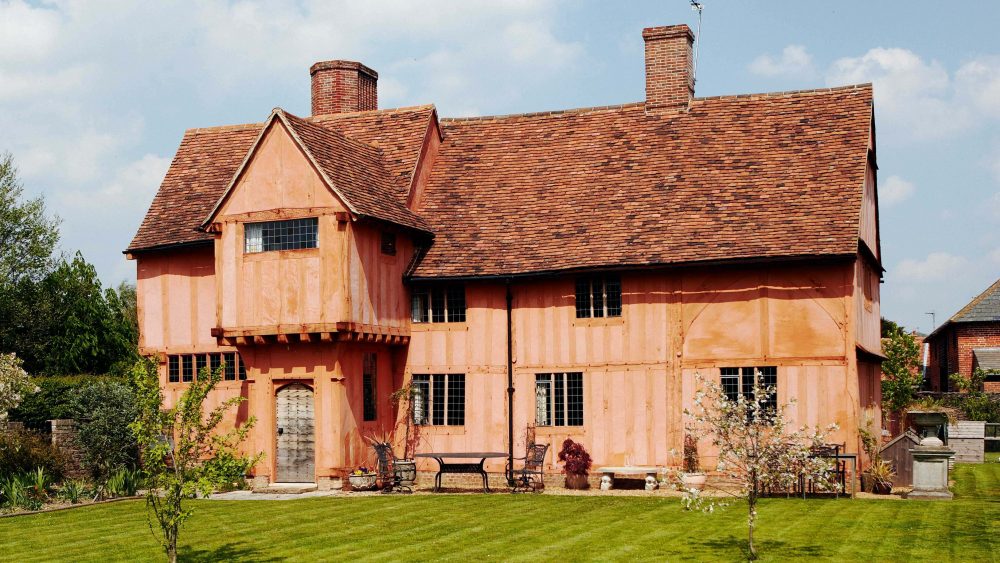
<point x="575" y="459"/>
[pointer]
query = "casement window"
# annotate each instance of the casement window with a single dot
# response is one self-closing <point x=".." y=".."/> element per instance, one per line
<point x="184" y="368"/>
<point x="187" y="369"/>
<point x="439" y="399"/>
<point x="369" y="373"/>
<point x="739" y="381"/>
<point x="388" y="243"/>
<point x="174" y="369"/>
<point x="201" y="361"/>
<point x="559" y="399"/>
<point x="292" y="234"/>
<point x="598" y="296"/>
<point x="438" y="304"/>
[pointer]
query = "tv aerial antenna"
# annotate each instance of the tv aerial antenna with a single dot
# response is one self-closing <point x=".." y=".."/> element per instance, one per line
<point x="696" y="6"/>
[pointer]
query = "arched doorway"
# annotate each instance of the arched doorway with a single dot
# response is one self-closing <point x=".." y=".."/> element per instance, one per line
<point x="296" y="457"/>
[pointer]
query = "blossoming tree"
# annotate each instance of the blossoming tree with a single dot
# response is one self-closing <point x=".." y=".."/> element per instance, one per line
<point x="14" y="384"/>
<point x="757" y="453"/>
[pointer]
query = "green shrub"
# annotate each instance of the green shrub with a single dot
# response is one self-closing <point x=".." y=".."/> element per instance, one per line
<point x="103" y="411"/>
<point x="54" y="399"/>
<point x="229" y="469"/>
<point x="974" y="402"/>
<point x="24" y="451"/>
<point x="976" y="406"/>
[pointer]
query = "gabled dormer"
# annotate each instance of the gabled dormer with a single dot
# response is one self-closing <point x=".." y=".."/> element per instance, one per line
<point x="313" y="237"/>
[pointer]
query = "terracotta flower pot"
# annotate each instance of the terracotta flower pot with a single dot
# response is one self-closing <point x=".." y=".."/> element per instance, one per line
<point x="578" y="482"/>
<point x="694" y="480"/>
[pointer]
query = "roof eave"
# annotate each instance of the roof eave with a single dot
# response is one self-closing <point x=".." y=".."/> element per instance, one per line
<point x="167" y="247"/>
<point x="536" y="274"/>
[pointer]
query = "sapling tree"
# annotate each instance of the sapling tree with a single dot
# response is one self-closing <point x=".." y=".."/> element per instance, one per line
<point x="183" y="448"/>
<point x="757" y="452"/>
<point x="14" y="384"/>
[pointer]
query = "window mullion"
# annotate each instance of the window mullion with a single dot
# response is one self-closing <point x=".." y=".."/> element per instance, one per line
<point x="447" y="391"/>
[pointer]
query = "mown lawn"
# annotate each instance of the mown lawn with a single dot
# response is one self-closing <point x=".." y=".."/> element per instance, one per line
<point x="525" y="527"/>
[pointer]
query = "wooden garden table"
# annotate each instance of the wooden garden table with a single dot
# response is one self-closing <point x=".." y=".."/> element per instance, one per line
<point x="462" y="467"/>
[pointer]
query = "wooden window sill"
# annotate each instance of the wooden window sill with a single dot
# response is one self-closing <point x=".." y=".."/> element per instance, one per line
<point x="445" y="327"/>
<point x="599" y="321"/>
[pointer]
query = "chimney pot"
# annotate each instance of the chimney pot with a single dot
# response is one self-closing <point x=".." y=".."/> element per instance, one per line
<point x="343" y="87"/>
<point x="669" y="67"/>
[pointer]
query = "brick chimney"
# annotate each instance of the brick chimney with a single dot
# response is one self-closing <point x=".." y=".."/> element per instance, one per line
<point x="343" y="86"/>
<point x="669" y="67"/>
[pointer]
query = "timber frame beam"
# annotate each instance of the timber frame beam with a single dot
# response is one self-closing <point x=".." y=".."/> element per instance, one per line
<point x="310" y="333"/>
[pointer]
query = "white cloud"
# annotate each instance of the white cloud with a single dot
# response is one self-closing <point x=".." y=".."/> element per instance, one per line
<point x="93" y="95"/>
<point x="915" y="95"/>
<point x="895" y="190"/>
<point x="979" y="80"/>
<point x="936" y="266"/>
<point x="533" y="42"/>
<point x="131" y="189"/>
<point x="27" y="34"/>
<point x="794" y="61"/>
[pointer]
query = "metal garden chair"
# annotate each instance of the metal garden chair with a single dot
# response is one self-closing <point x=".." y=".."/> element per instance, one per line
<point x="530" y="476"/>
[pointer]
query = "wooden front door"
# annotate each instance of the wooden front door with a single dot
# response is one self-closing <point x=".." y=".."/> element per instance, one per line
<point x="296" y="449"/>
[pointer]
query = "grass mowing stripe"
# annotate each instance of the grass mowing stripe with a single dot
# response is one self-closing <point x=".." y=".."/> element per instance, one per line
<point x="473" y="527"/>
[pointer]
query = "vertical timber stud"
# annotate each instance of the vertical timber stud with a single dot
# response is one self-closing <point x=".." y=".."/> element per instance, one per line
<point x="510" y="391"/>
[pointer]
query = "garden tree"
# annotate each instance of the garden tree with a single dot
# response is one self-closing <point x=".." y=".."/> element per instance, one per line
<point x="185" y="453"/>
<point x="67" y="323"/>
<point x="901" y="377"/>
<point x="28" y="239"/>
<point x="888" y="327"/>
<point x="756" y="449"/>
<point x="14" y="384"/>
<point x="56" y="316"/>
<point x="29" y="236"/>
<point x="103" y="411"/>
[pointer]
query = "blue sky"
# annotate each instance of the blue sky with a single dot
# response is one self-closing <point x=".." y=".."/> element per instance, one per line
<point x="94" y="96"/>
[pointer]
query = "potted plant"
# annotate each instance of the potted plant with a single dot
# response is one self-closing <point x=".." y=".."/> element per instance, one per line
<point x="362" y="479"/>
<point x="576" y="464"/>
<point x="692" y="477"/>
<point x="880" y="475"/>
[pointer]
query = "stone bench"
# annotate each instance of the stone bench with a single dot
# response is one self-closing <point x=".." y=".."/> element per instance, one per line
<point x="608" y="475"/>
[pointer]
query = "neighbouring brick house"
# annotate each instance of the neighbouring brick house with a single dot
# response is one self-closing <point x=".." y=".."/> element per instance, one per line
<point x="969" y="339"/>
<point x="571" y="269"/>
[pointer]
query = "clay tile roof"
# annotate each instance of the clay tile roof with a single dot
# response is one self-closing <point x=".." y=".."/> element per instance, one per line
<point x="358" y="173"/>
<point x="208" y="158"/>
<point x="738" y="177"/>
<point x="202" y="168"/>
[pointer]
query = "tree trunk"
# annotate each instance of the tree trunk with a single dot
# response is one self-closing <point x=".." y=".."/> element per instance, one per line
<point x="752" y="520"/>
<point x="172" y="544"/>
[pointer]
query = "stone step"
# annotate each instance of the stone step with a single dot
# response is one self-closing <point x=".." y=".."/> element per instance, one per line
<point x="287" y="489"/>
